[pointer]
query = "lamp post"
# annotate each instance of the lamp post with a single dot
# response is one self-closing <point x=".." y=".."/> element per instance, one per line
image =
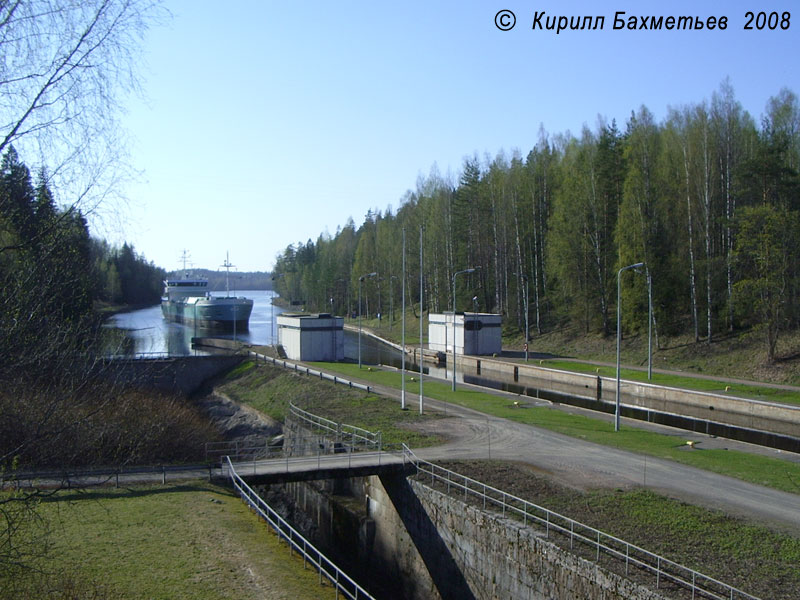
<point x="403" y="336"/>
<point x="470" y="270"/>
<point x="649" y="325"/>
<point x="619" y="332"/>
<point x="525" y="279"/>
<point x="272" y="306"/>
<point x="420" y="320"/>
<point x="360" y="279"/>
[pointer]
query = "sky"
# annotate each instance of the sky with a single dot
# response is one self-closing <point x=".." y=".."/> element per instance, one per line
<point x="267" y="123"/>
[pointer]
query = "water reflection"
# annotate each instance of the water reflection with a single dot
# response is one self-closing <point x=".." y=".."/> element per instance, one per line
<point x="146" y="331"/>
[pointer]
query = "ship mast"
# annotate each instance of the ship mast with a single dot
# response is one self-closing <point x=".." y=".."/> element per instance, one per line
<point x="185" y="258"/>
<point x="227" y="264"/>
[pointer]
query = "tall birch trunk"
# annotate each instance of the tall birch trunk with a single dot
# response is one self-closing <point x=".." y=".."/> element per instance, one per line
<point x="692" y="272"/>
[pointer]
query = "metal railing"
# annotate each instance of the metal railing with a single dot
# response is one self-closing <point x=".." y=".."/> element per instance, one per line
<point x="241" y="450"/>
<point x="142" y="356"/>
<point x="341" y="431"/>
<point x="313" y="462"/>
<point x="279" y="362"/>
<point x="341" y="582"/>
<point x="96" y="476"/>
<point x="599" y="543"/>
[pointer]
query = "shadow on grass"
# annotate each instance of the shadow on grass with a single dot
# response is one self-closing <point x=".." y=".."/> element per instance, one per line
<point x="139" y="491"/>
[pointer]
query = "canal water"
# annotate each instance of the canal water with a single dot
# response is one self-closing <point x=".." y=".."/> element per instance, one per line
<point x="145" y="332"/>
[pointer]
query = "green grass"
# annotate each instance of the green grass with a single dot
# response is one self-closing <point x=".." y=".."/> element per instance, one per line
<point x="740" y="355"/>
<point x="757" y="392"/>
<point x="194" y="541"/>
<point x="746" y="555"/>
<point x="758" y="469"/>
<point x="270" y="390"/>
<point x="394" y="331"/>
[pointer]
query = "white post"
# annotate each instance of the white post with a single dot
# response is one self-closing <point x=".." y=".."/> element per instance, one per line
<point x="619" y="332"/>
<point x="470" y="270"/>
<point x="360" y="279"/>
<point x="420" y="321"/>
<point x="403" y="342"/>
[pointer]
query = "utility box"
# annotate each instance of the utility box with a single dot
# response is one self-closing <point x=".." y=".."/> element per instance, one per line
<point x="318" y="337"/>
<point x="471" y="333"/>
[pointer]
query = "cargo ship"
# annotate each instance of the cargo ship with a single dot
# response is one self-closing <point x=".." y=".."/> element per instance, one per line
<point x="187" y="300"/>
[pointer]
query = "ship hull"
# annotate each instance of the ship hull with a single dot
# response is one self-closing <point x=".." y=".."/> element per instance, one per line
<point x="209" y="313"/>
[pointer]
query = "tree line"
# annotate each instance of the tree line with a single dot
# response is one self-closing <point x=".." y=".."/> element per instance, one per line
<point x="47" y="249"/>
<point x="66" y="69"/>
<point x="707" y="199"/>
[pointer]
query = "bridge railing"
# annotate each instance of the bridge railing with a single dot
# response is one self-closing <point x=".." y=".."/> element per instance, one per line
<point x="279" y="362"/>
<point x="341" y="431"/>
<point x="342" y="583"/>
<point x="292" y="446"/>
<point x="599" y="543"/>
<point x="80" y="478"/>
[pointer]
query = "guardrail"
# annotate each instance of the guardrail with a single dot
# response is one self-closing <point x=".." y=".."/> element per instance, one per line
<point x="279" y="362"/>
<point x="142" y="356"/>
<point x="342" y="583"/>
<point x="81" y="478"/>
<point x="664" y="570"/>
<point x="248" y="450"/>
<point x="341" y="431"/>
<point x="316" y="462"/>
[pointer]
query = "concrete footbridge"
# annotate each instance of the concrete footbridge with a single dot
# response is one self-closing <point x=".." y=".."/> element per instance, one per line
<point x="322" y="466"/>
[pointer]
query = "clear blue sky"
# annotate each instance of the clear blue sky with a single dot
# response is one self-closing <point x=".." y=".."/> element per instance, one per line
<point x="268" y="123"/>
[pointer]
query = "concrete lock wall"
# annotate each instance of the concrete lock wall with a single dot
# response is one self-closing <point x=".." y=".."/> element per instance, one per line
<point x="752" y="414"/>
<point x="501" y="558"/>
<point x="426" y="545"/>
<point x="339" y="515"/>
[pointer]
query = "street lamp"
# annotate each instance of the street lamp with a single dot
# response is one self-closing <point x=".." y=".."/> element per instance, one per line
<point x="272" y="306"/>
<point x="470" y="270"/>
<point x="619" y="332"/>
<point x="403" y="328"/>
<point x="421" y="288"/>
<point x="525" y="279"/>
<point x="649" y="325"/>
<point x="360" y="279"/>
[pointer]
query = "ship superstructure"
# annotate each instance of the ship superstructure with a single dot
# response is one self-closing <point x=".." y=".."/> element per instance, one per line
<point x="187" y="300"/>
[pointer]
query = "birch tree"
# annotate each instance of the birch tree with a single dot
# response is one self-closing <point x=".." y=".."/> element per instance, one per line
<point x="67" y="67"/>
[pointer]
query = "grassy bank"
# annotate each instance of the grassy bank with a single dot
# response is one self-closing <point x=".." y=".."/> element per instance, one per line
<point x="749" y="557"/>
<point x="194" y="541"/>
<point x="710" y="385"/>
<point x="741" y="354"/>
<point x="270" y="389"/>
<point x="762" y="470"/>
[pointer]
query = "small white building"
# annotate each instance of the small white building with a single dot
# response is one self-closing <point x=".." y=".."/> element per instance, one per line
<point x="472" y="333"/>
<point x="317" y="337"/>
